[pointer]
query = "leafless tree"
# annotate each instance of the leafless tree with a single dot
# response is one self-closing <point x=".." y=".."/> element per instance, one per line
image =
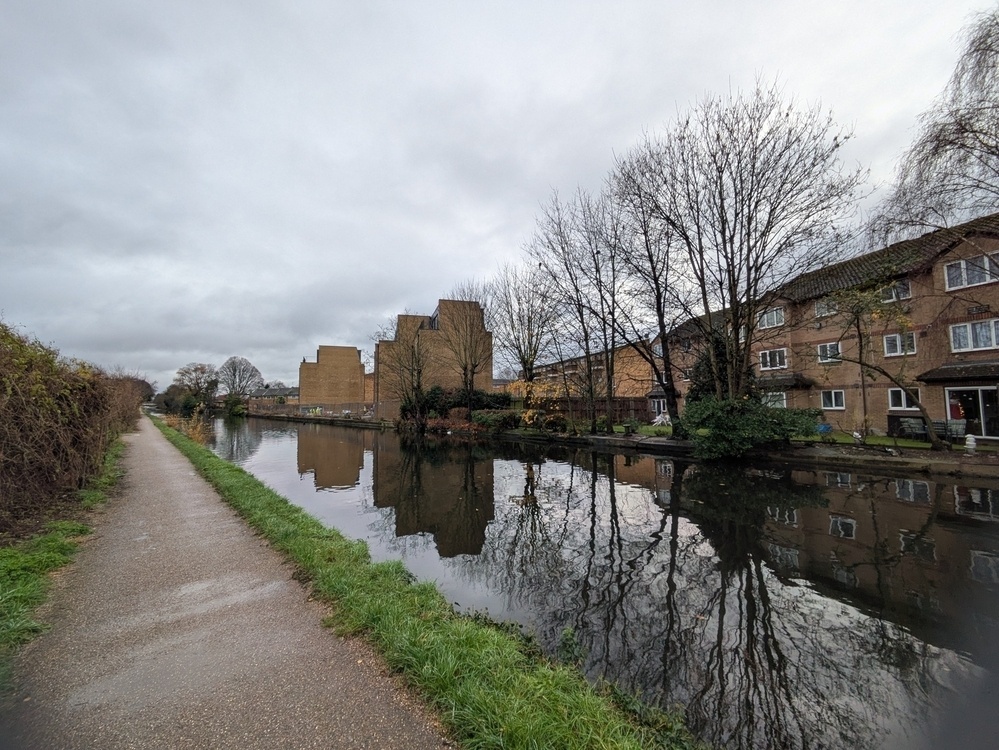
<point x="200" y="379"/>
<point x="656" y="296"/>
<point x="523" y="317"/>
<point x="401" y="363"/>
<point x="464" y="332"/>
<point x="238" y="376"/>
<point x="752" y="189"/>
<point x="559" y="247"/>
<point x="951" y="172"/>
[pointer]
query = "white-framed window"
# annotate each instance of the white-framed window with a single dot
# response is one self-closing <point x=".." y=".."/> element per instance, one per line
<point x="685" y="374"/>
<point x="824" y="307"/>
<point x="896" y="291"/>
<point x="771" y="318"/>
<point x="786" y="516"/>
<point x="843" y="527"/>
<point x="657" y="349"/>
<point x="838" y="479"/>
<point x="899" y="344"/>
<point x="981" y="269"/>
<point x="774" y="399"/>
<point x="979" y="334"/>
<point x="912" y="491"/>
<point x="829" y="352"/>
<point x="899" y="399"/>
<point x="833" y="399"/>
<point x="773" y="359"/>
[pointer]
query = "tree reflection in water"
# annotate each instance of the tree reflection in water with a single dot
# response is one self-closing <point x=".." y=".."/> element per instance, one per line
<point x="780" y="609"/>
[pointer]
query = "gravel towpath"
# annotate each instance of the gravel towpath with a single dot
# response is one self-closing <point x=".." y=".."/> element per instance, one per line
<point x="177" y="627"/>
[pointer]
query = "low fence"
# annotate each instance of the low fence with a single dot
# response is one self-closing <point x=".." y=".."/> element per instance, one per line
<point x="622" y="409"/>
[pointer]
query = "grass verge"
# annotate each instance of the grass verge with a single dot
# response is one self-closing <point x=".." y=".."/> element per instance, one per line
<point x="26" y="565"/>
<point x="488" y="686"/>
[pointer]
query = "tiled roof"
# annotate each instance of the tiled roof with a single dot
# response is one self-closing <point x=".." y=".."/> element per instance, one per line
<point x="888" y="262"/>
<point x="961" y="371"/>
<point x="273" y="392"/>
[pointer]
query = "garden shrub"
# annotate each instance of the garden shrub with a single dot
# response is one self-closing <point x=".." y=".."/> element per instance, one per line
<point x="497" y="420"/>
<point x="723" y="429"/>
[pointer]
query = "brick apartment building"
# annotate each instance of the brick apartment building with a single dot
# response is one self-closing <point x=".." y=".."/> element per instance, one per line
<point x="436" y="344"/>
<point x="944" y="343"/>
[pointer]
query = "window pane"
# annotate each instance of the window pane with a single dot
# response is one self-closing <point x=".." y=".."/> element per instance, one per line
<point x="910" y="342"/>
<point x="975" y="270"/>
<point x="981" y="334"/>
<point x="902" y="289"/>
<point x="954" y="275"/>
<point x="895" y="398"/>
<point x="891" y="344"/>
<point x="959" y="337"/>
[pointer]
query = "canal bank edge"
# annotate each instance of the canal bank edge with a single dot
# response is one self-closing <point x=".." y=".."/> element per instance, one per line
<point x="886" y="460"/>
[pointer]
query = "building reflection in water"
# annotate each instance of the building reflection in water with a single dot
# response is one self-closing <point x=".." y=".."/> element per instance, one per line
<point x="781" y="608"/>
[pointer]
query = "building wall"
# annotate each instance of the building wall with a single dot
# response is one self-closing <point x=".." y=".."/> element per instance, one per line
<point x="927" y="314"/>
<point x="430" y="341"/>
<point x="336" y="377"/>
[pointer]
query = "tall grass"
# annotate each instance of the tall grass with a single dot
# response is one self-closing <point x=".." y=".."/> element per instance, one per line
<point x="488" y="686"/>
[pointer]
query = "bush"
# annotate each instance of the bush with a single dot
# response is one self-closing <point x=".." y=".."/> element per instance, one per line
<point x="497" y="420"/>
<point x="57" y="420"/>
<point x="724" y="429"/>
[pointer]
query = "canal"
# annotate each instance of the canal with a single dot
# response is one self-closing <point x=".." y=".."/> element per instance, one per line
<point x="778" y="608"/>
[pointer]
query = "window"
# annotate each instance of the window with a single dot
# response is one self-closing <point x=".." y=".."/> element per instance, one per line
<point x="838" y="479"/>
<point x="899" y="399"/>
<point x="825" y="307"/>
<point x="685" y="374"/>
<point x="972" y="271"/>
<point x="786" y="516"/>
<point x="898" y="344"/>
<point x="773" y="359"/>
<point x="657" y="349"/>
<point x="894" y="292"/>
<point x="979" y="334"/>
<point x="843" y="527"/>
<point x="833" y="400"/>
<point x="775" y="399"/>
<point x="771" y="318"/>
<point x="829" y="352"/>
<point x="912" y="491"/>
<point x="918" y="545"/>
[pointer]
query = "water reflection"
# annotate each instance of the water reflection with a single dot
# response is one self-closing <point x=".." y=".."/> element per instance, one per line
<point x="781" y="608"/>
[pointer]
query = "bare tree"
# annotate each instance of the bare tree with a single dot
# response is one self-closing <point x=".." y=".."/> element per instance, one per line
<point x="656" y="297"/>
<point x="401" y="362"/>
<point x="523" y="318"/>
<point x="753" y="190"/>
<point x="464" y="333"/>
<point x="200" y="379"/>
<point x="560" y="251"/>
<point x="238" y="376"/>
<point x="951" y="172"/>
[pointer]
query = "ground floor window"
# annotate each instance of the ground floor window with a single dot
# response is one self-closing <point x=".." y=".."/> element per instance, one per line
<point x="833" y="399"/>
<point x="658" y="406"/>
<point x="899" y="399"/>
<point x="775" y="399"/>
<point x="978" y="408"/>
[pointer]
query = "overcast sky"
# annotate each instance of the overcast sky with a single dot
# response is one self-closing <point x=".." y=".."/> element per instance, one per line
<point x="185" y="181"/>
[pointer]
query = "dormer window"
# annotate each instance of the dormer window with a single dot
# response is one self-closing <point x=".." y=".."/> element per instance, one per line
<point x="896" y="291"/>
<point x="824" y="307"/>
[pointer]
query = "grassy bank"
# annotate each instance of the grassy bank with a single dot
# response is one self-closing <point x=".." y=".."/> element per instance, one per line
<point x="25" y="566"/>
<point x="489" y="687"/>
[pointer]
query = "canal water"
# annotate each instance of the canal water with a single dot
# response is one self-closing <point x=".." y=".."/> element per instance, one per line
<point x="778" y="608"/>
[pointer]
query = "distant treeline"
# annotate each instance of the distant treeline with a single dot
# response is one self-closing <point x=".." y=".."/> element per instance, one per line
<point x="58" y="418"/>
